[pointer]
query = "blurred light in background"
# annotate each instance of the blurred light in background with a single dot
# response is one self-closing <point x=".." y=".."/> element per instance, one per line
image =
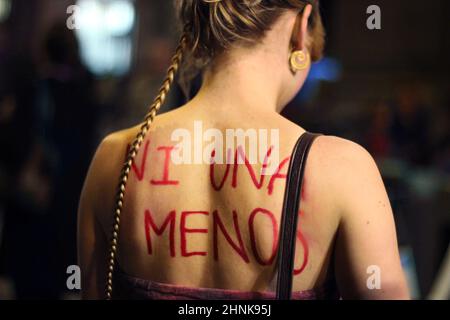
<point x="105" y="32"/>
<point x="326" y="70"/>
<point x="5" y="9"/>
<point x="409" y="267"/>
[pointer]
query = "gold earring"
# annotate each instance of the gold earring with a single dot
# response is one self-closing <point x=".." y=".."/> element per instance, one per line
<point x="299" y="60"/>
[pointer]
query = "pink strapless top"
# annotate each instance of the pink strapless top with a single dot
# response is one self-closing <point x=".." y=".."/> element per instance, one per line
<point x="127" y="287"/>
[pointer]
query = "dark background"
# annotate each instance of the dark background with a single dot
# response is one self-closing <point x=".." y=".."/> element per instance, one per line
<point x="386" y="89"/>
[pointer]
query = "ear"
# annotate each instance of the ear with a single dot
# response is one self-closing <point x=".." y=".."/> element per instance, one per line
<point x="300" y="34"/>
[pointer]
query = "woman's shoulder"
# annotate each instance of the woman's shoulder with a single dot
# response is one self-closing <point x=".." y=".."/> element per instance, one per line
<point x="342" y="151"/>
<point x="112" y="149"/>
<point x="343" y="164"/>
<point x="350" y="173"/>
<point x="344" y="158"/>
<point x="103" y="175"/>
<point x="118" y="138"/>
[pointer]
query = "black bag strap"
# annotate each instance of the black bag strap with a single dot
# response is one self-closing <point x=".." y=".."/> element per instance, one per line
<point x="289" y="218"/>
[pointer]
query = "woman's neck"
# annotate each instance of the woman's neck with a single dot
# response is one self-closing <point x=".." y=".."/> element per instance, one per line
<point x="248" y="81"/>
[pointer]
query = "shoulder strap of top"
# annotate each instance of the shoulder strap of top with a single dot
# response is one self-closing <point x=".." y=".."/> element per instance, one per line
<point x="289" y="218"/>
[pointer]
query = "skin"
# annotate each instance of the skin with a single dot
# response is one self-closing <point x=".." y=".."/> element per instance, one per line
<point x="346" y="219"/>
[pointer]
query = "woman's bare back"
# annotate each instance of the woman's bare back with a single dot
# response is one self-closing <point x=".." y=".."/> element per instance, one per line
<point x="216" y="225"/>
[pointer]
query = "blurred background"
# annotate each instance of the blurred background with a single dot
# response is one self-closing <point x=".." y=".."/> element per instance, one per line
<point x="71" y="75"/>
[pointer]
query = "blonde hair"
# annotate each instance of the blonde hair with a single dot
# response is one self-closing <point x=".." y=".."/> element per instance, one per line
<point x="210" y="28"/>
